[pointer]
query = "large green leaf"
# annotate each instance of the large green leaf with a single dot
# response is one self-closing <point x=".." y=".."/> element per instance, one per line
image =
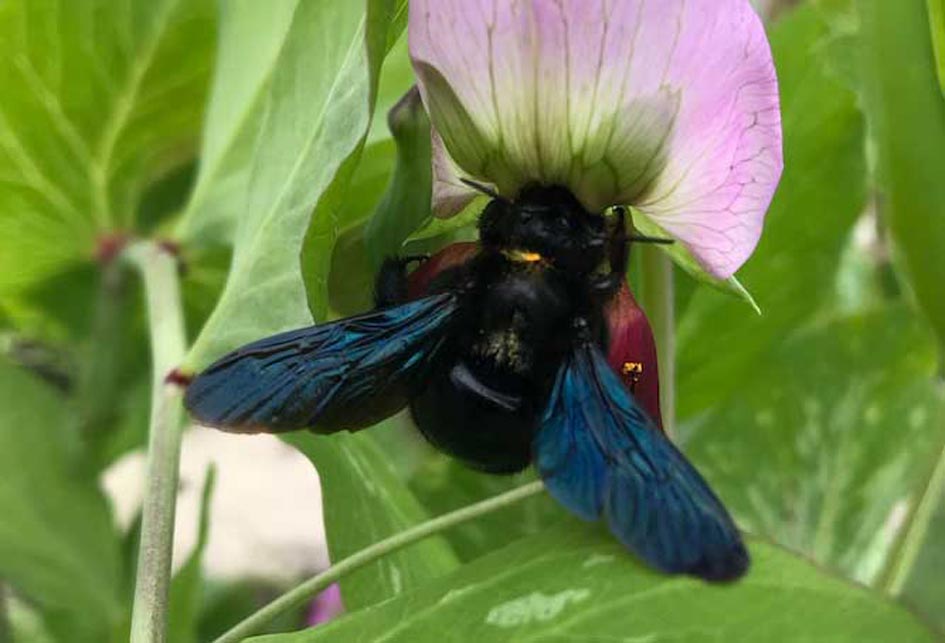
<point x="792" y="272"/>
<point x="100" y="99"/>
<point x="57" y="544"/>
<point x="364" y="501"/>
<point x="315" y="113"/>
<point x="937" y="24"/>
<point x="907" y="116"/>
<point x="252" y="38"/>
<point x="829" y="448"/>
<point x="576" y="584"/>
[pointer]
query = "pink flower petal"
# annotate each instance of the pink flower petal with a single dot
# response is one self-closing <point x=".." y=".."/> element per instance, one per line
<point x="450" y="195"/>
<point x="668" y="105"/>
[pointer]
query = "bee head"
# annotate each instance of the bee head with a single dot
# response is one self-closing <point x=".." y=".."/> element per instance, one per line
<point x="547" y="221"/>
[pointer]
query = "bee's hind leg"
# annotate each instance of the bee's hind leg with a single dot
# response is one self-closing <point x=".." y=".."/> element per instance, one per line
<point x="605" y="286"/>
<point x="390" y="285"/>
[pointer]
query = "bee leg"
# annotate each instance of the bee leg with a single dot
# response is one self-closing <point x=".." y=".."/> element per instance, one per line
<point x="390" y="285"/>
<point x="619" y="248"/>
<point x="618" y="255"/>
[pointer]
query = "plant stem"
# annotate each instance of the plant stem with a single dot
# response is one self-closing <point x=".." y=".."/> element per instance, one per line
<point x="659" y="303"/>
<point x="310" y="588"/>
<point x="168" y="344"/>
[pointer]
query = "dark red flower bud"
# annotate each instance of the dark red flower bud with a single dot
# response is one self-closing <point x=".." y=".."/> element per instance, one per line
<point x="632" y="351"/>
<point x="450" y="256"/>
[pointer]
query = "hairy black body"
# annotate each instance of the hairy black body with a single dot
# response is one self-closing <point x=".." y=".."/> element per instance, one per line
<point x="536" y="274"/>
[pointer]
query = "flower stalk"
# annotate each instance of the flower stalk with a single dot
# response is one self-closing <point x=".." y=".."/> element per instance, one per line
<point x="657" y="297"/>
<point x="159" y="270"/>
<point x="310" y="588"/>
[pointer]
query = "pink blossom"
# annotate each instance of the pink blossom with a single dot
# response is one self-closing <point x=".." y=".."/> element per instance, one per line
<point x="669" y="106"/>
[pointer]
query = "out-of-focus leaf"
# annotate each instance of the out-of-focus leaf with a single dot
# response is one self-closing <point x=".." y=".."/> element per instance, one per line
<point x="100" y="99"/>
<point x="315" y="114"/>
<point x="923" y="554"/>
<point x="396" y="78"/>
<point x="576" y="584"/>
<point x="364" y="501"/>
<point x="907" y="115"/>
<point x="937" y="24"/>
<point x="720" y="341"/>
<point x="443" y="484"/>
<point x="226" y="604"/>
<point x="25" y="623"/>
<point x="829" y="448"/>
<point x="187" y="586"/>
<point x="252" y="38"/>
<point x="58" y="548"/>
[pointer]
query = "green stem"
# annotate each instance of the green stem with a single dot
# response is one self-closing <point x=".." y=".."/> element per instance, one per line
<point x="168" y="345"/>
<point x="310" y="588"/>
<point x="658" y="300"/>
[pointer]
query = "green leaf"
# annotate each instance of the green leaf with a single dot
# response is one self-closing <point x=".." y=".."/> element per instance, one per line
<point x="58" y="547"/>
<point x="937" y="24"/>
<point x="827" y="448"/>
<point x="364" y="501"/>
<point x="443" y="484"/>
<point x="919" y="582"/>
<point x="395" y="80"/>
<point x="792" y="272"/>
<point x="577" y="584"/>
<point x="187" y="586"/>
<point x="316" y="109"/>
<point x="907" y="116"/>
<point x="101" y="99"/>
<point x="253" y="36"/>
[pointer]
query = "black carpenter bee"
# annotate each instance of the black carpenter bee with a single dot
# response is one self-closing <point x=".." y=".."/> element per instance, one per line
<point x="502" y="363"/>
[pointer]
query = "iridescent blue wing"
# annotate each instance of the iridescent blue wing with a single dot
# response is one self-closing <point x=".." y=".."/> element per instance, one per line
<point x="600" y="455"/>
<point x="346" y="374"/>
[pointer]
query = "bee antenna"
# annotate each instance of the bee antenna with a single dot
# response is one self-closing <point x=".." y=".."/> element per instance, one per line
<point x="479" y="187"/>
<point x="641" y="238"/>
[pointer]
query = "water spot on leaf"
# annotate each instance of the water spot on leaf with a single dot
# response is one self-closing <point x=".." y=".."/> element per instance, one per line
<point x="536" y="607"/>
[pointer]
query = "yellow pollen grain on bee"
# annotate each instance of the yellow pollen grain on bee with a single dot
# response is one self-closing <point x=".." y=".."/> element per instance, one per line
<point x="634" y="368"/>
<point x="524" y="256"/>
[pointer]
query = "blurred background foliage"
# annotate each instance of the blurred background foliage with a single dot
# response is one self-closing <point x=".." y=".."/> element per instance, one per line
<point x="254" y="136"/>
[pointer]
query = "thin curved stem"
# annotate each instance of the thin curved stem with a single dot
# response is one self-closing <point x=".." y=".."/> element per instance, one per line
<point x="310" y="588"/>
<point x="168" y="344"/>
